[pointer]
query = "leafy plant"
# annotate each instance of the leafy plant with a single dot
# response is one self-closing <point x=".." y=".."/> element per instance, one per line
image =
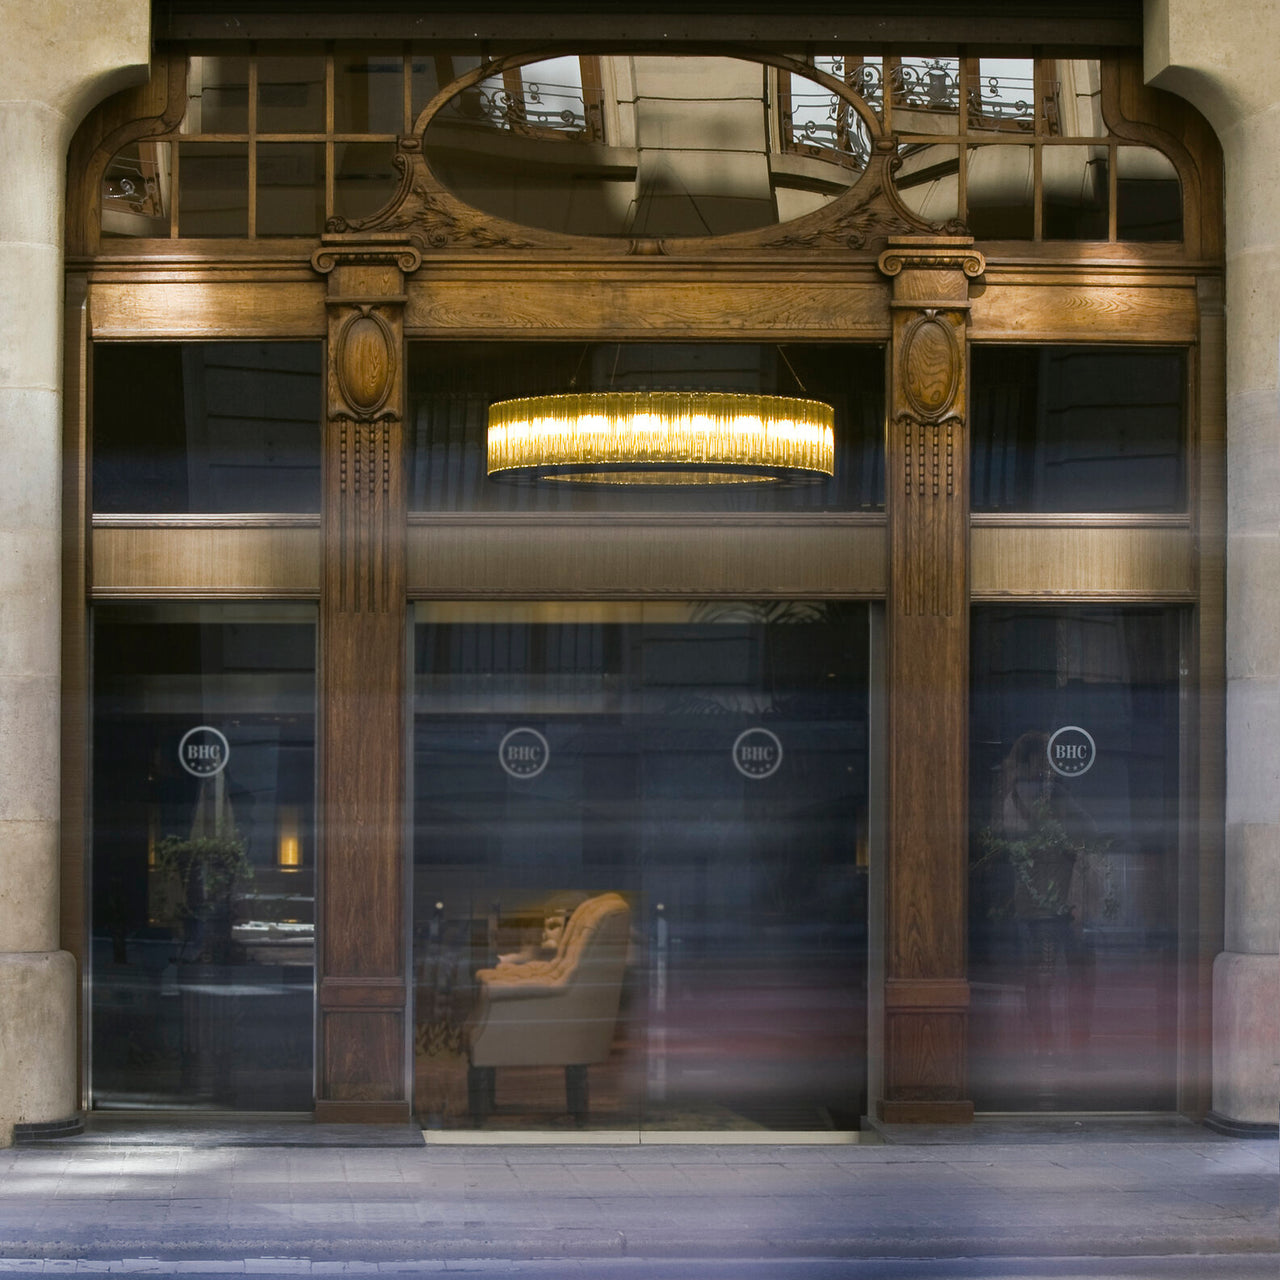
<point x="1043" y="860"/>
<point x="195" y="877"/>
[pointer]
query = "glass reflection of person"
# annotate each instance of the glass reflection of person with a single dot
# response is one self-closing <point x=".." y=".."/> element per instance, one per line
<point x="1045" y="835"/>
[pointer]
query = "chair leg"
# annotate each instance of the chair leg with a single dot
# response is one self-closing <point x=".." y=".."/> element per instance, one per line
<point x="481" y="1085"/>
<point x="575" y="1088"/>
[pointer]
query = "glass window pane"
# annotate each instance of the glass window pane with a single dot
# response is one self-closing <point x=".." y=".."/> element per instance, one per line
<point x="429" y="73"/>
<point x="291" y="95"/>
<point x="928" y="180"/>
<point x="206" y="427"/>
<point x="1003" y="96"/>
<point x="364" y="177"/>
<point x="1001" y="192"/>
<point x="1073" y="98"/>
<point x="290" y="188"/>
<point x="1078" y="429"/>
<point x="1148" y="196"/>
<point x="608" y="804"/>
<point x="137" y="189"/>
<point x="1074" y="751"/>
<point x="203" y="882"/>
<point x="1074" y="190"/>
<point x="368" y="93"/>
<point x="925" y="94"/>
<point x="217" y="95"/>
<point x="451" y="386"/>
<point x="213" y="189"/>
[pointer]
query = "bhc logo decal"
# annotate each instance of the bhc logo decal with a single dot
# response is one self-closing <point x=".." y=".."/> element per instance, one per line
<point x="203" y="751"/>
<point x="524" y="753"/>
<point x="1071" y="751"/>
<point x="757" y="753"/>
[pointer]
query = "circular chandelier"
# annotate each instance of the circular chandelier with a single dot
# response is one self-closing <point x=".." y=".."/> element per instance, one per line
<point x="661" y="438"/>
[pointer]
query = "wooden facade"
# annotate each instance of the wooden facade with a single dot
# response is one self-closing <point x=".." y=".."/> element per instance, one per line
<point x="861" y="270"/>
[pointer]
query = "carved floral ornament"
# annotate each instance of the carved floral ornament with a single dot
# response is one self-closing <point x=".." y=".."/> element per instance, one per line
<point x="428" y="215"/>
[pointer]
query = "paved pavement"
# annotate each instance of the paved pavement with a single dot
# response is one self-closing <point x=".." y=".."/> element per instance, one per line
<point x="1063" y="1199"/>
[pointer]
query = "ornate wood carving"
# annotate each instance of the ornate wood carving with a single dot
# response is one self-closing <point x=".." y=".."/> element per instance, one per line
<point x="363" y="968"/>
<point x="926" y="993"/>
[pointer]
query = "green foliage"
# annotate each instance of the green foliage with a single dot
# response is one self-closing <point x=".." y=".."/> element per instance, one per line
<point x="1043" y="860"/>
<point x="196" y="877"/>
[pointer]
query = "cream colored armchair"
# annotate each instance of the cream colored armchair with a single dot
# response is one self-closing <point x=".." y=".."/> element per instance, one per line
<point x="559" y="1012"/>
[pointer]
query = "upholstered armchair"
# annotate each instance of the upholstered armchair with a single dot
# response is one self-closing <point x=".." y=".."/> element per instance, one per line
<point x="558" y="1012"/>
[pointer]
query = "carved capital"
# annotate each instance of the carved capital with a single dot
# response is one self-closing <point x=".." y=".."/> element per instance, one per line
<point x="935" y="253"/>
<point x="344" y="252"/>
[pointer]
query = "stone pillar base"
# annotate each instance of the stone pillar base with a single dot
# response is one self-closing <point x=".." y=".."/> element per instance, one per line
<point x="1246" y="1039"/>
<point x="38" y="1047"/>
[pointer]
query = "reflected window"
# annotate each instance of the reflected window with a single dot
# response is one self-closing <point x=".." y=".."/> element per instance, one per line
<point x="203" y="856"/>
<point x="1074" y="753"/>
<point x="452" y="384"/>
<point x="206" y="427"/>
<point x="1078" y="429"/>
<point x="640" y="861"/>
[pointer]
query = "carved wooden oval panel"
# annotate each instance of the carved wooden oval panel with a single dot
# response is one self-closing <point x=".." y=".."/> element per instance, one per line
<point x="930" y="366"/>
<point x="366" y="362"/>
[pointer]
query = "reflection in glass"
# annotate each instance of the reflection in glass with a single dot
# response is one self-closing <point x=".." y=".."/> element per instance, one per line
<point x="1148" y="195"/>
<point x="452" y="384"/>
<point x="291" y="95"/>
<point x="640" y="865"/>
<point x="651" y="146"/>
<point x="928" y="180"/>
<point x="206" y="427"/>
<point x="1074" y="191"/>
<point x="1073" y="98"/>
<point x="137" y="190"/>
<point x="1001" y="191"/>
<point x="368" y="93"/>
<point x="1073" y="894"/>
<point x="213" y="193"/>
<point x="290" y="188"/>
<point x="925" y="94"/>
<point x="364" y="178"/>
<point x="1003" y="96"/>
<point x="217" y="95"/>
<point x="1077" y="429"/>
<point x="203" y="897"/>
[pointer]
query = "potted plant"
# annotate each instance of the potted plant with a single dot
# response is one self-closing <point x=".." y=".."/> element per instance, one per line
<point x="195" y="878"/>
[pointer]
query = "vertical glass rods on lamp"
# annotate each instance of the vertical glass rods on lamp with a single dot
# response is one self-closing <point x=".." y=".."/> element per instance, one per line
<point x="661" y="438"/>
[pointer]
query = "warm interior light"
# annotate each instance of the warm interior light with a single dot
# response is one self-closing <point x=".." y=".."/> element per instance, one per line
<point x="289" y="855"/>
<point x="661" y="437"/>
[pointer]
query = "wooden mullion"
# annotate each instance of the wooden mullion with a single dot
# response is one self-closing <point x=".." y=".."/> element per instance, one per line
<point x="252" y="212"/>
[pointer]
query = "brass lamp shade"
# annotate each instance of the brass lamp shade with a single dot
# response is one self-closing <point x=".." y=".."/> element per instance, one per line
<point x="661" y="438"/>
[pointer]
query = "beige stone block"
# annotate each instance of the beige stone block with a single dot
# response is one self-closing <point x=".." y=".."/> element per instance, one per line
<point x="1251" y="149"/>
<point x="1194" y="48"/>
<point x="31" y="143"/>
<point x="29" y="748"/>
<point x="1253" y="751"/>
<point x="75" y="52"/>
<point x="1252" y="905"/>
<point x="30" y="444"/>
<point x="1253" y="320"/>
<point x="38" y="1047"/>
<point x="1246" y="1037"/>
<point x="1253" y="461"/>
<point x="1253" y="605"/>
<point x="721" y="128"/>
<point x="28" y="886"/>
<point x="31" y="332"/>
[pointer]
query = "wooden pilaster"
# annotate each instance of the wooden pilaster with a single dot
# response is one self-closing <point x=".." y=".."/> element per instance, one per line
<point x="362" y="1018"/>
<point x="926" y="989"/>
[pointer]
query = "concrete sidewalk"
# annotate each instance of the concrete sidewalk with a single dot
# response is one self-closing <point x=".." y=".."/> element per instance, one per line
<point x="280" y="1198"/>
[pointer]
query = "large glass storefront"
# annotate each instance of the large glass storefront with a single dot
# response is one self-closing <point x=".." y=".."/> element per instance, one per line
<point x="1075" y="764"/>
<point x="640" y="865"/>
<point x="203" y="903"/>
